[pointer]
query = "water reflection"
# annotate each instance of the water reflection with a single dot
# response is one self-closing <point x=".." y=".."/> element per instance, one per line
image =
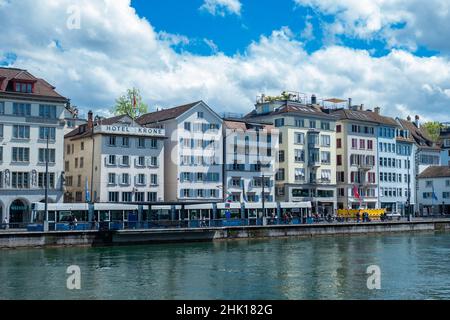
<point x="414" y="266"/>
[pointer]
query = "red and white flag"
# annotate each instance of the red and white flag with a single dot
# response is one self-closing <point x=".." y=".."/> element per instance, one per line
<point x="356" y="192"/>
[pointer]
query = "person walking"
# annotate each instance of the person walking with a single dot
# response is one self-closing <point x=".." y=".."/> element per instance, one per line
<point x="5" y="223"/>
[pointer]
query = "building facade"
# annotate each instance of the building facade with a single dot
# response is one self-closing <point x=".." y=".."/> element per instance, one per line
<point x="357" y="165"/>
<point x="307" y="151"/>
<point x="251" y="151"/>
<point x="444" y="140"/>
<point x="114" y="160"/>
<point x="30" y="111"/>
<point x="396" y="167"/>
<point x="193" y="158"/>
<point x="434" y="190"/>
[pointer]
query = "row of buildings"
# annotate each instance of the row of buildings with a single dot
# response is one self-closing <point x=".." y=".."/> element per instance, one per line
<point x="289" y="148"/>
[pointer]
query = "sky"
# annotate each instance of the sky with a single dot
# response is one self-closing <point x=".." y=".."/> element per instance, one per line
<point x="391" y="54"/>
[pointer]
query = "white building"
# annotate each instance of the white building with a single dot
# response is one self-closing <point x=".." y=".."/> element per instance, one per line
<point x="251" y="152"/>
<point x="30" y="109"/>
<point x="396" y="167"/>
<point x="445" y="144"/>
<point x="193" y="151"/>
<point x="114" y="160"/>
<point x="434" y="190"/>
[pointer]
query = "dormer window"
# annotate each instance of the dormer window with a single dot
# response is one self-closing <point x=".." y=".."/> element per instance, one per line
<point x="23" y="87"/>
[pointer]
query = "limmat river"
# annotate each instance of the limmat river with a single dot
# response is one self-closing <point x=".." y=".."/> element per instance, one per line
<point x="413" y="266"/>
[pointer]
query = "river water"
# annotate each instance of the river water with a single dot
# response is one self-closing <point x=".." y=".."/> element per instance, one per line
<point x="413" y="266"/>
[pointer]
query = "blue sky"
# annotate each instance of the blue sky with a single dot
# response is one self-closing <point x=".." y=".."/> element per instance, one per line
<point x="392" y="54"/>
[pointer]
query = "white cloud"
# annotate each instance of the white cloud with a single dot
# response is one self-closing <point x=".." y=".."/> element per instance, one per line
<point x="222" y="7"/>
<point x="115" y="50"/>
<point x="403" y="23"/>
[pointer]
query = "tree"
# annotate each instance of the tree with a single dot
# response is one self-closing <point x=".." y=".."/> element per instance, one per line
<point x="433" y="129"/>
<point x="130" y="104"/>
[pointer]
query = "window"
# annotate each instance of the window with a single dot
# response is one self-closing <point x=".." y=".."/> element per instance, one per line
<point x="82" y="146"/>
<point x="325" y="125"/>
<point x="200" y="115"/>
<point x="81" y="162"/>
<point x="300" y="138"/>
<point x="69" y="181"/>
<point x="125" y="179"/>
<point x="125" y="161"/>
<point x="339" y="160"/>
<point x="111" y="160"/>
<point x="280" y="176"/>
<point x="299" y="155"/>
<point x="299" y="123"/>
<point x="279" y="122"/>
<point x="113" y="197"/>
<point x="141" y="143"/>
<point x="281" y="157"/>
<point x="213" y="193"/>
<point x="340" y="176"/>
<point x="312" y="124"/>
<point x="141" y="179"/>
<point x="21" y="132"/>
<point x="44" y="131"/>
<point x="112" y="141"/>
<point x="76" y="163"/>
<point x="125" y="142"/>
<point x="299" y="174"/>
<point x="153" y="144"/>
<point x="325" y="157"/>
<point x="139" y="197"/>
<point x="127" y="196"/>
<point x="446" y="195"/>
<point x="1" y="156"/>
<point x="354" y="143"/>
<point x="362" y="144"/>
<point x="79" y="181"/>
<point x="21" y="154"/>
<point x="79" y="196"/>
<point x="339" y="128"/>
<point x="22" y="109"/>
<point x="140" y="161"/>
<point x="1" y="131"/>
<point x="154" y="161"/>
<point x="429" y="184"/>
<point x="326" y="175"/>
<point x="154" y="179"/>
<point x="47" y="111"/>
<point x="20" y="180"/>
<point x="325" y="141"/>
<point x="43" y="156"/>
<point x="369" y="145"/>
<point x="112" y="179"/>
<point x="339" y="143"/>
<point x="280" y="138"/>
<point x="42" y="180"/>
<point x="2" y="107"/>
<point x="152" y="196"/>
<point x="187" y="126"/>
<point x="68" y="149"/>
<point x="23" y="87"/>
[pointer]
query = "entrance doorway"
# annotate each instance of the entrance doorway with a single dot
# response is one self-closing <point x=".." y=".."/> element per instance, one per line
<point x="18" y="213"/>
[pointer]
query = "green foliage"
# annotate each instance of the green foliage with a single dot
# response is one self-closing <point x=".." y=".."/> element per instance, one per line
<point x="433" y="129"/>
<point x="125" y="104"/>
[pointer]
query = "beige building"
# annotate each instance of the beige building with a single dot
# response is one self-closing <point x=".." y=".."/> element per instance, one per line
<point x="114" y="160"/>
<point x="307" y="155"/>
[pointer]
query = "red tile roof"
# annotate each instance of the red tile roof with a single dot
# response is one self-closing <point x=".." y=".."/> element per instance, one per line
<point x="41" y="87"/>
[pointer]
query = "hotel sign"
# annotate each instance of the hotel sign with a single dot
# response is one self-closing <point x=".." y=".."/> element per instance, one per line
<point x="132" y="131"/>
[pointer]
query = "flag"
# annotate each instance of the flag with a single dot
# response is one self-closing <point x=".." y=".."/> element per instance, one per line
<point x="356" y="192"/>
<point x="88" y="194"/>
<point x="434" y="195"/>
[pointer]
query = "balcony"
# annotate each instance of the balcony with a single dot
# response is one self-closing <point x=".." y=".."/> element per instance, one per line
<point x="314" y="163"/>
<point x="365" y="167"/>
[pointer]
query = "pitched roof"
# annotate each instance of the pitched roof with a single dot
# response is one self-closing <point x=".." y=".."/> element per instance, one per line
<point x="436" y="172"/>
<point x="365" y="116"/>
<point x="295" y="109"/>
<point x="245" y="125"/>
<point x="421" y="137"/>
<point x="41" y="87"/>
<point x="166" y="114"/>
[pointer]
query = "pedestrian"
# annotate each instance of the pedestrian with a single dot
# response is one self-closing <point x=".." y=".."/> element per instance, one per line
<point x="358" y="217"/>
<point x="5" y="223"/>
<point x="75" y="221"/>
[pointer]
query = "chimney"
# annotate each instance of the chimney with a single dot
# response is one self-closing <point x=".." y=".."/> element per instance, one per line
<point x="409" y="118"/>
<point x="361" y="108"/>
<point x="377" y="110"/>
<point x="350" y="103"/>
<point x="417" y="122"/>
<point x="90" y="123"/>
<point x="313" y="99"/>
